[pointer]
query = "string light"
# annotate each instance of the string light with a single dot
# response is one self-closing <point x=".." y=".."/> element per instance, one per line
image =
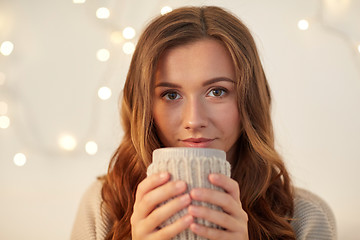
<point x="165" y="10"/>
<point x="91" y="148"/>
<point x="6" y="48"/>
<point x="102" y="13"/>
<point x="116" y="37"/>
<point x="67" y="142"/>
<point x="103" y="55"/>
<point x="79" y="1"/>
<point x="358" y="48"/>
<point x="3" y="108"/>
<point x="104" y="93"/>
<point x="129" y="33"/>
<point x="19" y="159"/>
<point x="128" y="48"/>
<point x="337" y="6"/>
<point x="303" y="24"/>
<point x="4" y="122"/>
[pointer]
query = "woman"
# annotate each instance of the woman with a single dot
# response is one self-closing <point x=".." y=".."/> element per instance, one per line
<point x="196" y="80"/>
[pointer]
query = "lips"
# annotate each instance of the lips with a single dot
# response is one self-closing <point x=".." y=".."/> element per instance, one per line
<point x="197" y="142"/>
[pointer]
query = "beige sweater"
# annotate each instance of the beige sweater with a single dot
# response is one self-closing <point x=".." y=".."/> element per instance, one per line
<point x="313" y="219"/>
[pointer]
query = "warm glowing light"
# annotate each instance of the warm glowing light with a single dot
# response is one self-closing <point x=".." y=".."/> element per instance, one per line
<point x="337" y="7"/>
<point x="20" y="159"/>
<point x="116" y="37"/>
<point x="67" y="142"/>
<point x="6" y="48"/>
<point x="103" y="55"/>
<point x="104" y="93"/>
<point x="128" y="47"/>
<point x="359" y="48"/>
<point x="91" y="148"/>
<point x="3" y="108"/>
<point x="165" y="10"/>
<point x="2" y="78"/>
<point x="79" y="1"/>
<point x="102" y="13"/>
<point x="129" y="33"/>
<point x="303" y="24"/>
<point x="4" y="122"/>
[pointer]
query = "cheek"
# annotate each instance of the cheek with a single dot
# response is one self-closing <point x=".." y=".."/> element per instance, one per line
<point x="229" y="122"/>
<point x="165" y="120"/>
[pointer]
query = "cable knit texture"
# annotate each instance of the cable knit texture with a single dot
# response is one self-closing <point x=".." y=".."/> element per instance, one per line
<point x="192" y="165"/>
<point x="313" y="218"/>
<point x="92" y="221"/>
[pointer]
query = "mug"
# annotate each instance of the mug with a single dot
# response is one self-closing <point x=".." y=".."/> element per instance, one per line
<point x="192" y="165"/>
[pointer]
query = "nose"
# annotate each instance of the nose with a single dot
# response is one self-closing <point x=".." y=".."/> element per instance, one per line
<point x="194" y="114"/>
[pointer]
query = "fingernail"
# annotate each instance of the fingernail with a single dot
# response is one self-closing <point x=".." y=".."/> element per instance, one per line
<point x="180" y="185"/>
<point x="185" y="198"/>
<point x="194" y="227"/>
<point x="193" y="209"/>
<point x="213" y="176"/>
<point x="195" y="193"/>
<point x="188" y="219"/>
<point x="164" y="175"/>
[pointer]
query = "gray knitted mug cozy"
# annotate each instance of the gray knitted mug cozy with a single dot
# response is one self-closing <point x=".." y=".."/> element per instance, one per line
<point x="192" y="165"/>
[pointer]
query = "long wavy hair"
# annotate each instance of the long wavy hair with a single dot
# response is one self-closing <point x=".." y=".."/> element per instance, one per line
<point x="265" y="186"/>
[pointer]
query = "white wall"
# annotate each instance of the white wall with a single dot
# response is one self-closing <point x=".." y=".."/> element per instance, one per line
<point x="52" y="78"/>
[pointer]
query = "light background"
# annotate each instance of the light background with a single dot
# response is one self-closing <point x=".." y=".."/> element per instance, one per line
<point x="52" y="78"/>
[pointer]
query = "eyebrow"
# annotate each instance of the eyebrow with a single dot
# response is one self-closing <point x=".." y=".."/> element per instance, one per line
<point x="219" y="79"/>
<point x="208" y="82"/>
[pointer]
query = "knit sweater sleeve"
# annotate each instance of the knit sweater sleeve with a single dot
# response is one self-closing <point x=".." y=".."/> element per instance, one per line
<point x="313" y="218"/>
<point x="92" y="221"/>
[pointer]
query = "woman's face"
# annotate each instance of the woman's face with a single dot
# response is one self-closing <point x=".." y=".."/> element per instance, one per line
<point x="194" y="98"/>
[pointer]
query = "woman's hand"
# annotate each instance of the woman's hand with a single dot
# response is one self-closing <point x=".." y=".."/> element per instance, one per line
<point x="146" y="217"/>
<point x="234" y="219"/>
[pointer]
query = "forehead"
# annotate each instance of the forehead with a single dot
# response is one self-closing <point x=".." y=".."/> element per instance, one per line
<point x="203" y="59"/>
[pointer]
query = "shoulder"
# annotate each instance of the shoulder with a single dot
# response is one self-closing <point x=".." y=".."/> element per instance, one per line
<point x="92" y="220"/>
<point x="313" y="218"/>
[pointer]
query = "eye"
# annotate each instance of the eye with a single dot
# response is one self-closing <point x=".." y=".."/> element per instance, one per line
<point x="171" y="96"/>
<point x="217" y="92"/>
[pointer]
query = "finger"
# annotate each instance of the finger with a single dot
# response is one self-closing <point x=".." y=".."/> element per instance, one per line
<point x="159" y="195"/>
<point x="220" y="218"/>
<point x="151" y="183"/>
<point x="221" y="199"/>
<point x="164" y="212"/>
<point x="174" y="229"/>
<point x="210" y="233"/>
<point x="228" y="184"/>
